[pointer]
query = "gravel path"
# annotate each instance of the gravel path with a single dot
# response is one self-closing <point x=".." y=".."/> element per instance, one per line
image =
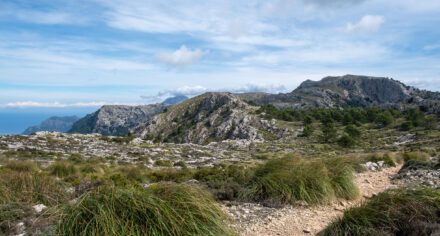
<point x="310" y="220"/>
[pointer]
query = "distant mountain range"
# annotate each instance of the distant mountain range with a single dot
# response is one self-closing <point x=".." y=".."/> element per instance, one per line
<point x="347" y="90"/>
<point x="220" y="116"/>
<point x="175" y="100"/>
<point x="54" y="123"/>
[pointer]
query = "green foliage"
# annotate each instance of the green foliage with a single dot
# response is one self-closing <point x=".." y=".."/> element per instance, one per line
<point x="328" y="131"/>
<point x="394" y="212"/>
<point x="31" y="154"/>
<point x="62" y="168"/>
<point x="10" y="213"/>
<point x="352" y="131"/>
<point x="384" y="118"/>
<point x="406" y="126"/>
<point x="159" y="210"/>
<point x="164" y="163"/>
<point x="430" y="122"/>
<point x="21" y="166"/>
<point x="307" y="131"/>
<point x="32" y="188"/>
<point x="421" y="156"/>
<point x="291" y="179"/>
<point x="346" y="141"/>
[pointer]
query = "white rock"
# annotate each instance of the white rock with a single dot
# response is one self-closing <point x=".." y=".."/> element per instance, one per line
<point x="39" y="208"/>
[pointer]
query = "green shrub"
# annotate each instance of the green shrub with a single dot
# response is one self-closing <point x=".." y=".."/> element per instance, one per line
<point x="346" y="141"/>
<point x="174" y="175"/>
<point x="406" y="126"/>
<point x="32" y="188"/>
<point x="62" y="168"/>
<point x="421" y="156"/>
<point x="394" y="212"/>
<point x="158" y="210"/>
<point x="352" y="131"/>
<point x="291" y="179"/>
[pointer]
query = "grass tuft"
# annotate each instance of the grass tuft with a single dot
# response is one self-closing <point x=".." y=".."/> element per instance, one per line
<point x="159" y="210"/>
<point x="419" y="156"/>
<point x="32" y="188"/>
<point x="394" y="212"/>
<point x="291" y="179"/>
<point x="21" y="166"/>
<point x="63" y="168"/>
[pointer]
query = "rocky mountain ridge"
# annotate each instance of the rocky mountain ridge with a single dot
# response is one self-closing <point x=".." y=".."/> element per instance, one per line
<point x="347" y="90"/>
<point x="205" y="118"/>
<point x="116" y="119"/>
<point x="54" y="123"/>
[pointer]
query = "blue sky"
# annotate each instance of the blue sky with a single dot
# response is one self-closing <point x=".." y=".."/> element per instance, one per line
<point x="82" y="53"/>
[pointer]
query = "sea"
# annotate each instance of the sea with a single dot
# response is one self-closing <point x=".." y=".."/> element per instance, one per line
<point x="16" y="120"/>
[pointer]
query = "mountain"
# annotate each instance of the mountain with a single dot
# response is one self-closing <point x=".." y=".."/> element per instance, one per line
<point x="54" y="123"/>
<point x="116" y="119"/>
<point x="347" y="90"/>
<point x="205" y="118"/>
<point x="175" y="100"/>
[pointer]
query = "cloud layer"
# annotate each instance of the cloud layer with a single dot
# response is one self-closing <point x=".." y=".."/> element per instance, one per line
<point x="181" y="57"/>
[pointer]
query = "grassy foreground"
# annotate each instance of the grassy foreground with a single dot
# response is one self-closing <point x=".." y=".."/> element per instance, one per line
<point x="169" y="209"/>
<point x="395" y="212"/>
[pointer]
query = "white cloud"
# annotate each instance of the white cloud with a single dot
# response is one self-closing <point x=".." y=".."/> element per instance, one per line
<point x="185" y="90"/>
<point x="52" y="104"/>
<point x="368" y="23"/>
<point x="181" y="57"/>
<point x="268" y="88"/>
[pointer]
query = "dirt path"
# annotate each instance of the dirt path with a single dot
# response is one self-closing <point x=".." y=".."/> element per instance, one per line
<point x="310" y="220"/>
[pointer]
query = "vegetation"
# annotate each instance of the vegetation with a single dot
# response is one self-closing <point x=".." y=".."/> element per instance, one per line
<point x="421" y="156"/>
<point x="395" y="212"/>
<point x="291" y="179"/>
<point x="158" y="210"/>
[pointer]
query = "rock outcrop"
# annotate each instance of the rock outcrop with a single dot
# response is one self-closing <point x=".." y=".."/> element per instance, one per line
<point x="116" y="119"/>
<point x="205" y="118"/>
<point x="54" y="123"/>
<point x="348" y="90"/>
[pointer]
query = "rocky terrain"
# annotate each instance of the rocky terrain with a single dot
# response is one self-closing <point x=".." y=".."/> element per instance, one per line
<point x="54" y="123"/>
<point x="116" y="119"/>
<point x="348" y="90"/>
<point x="206" y="118"/>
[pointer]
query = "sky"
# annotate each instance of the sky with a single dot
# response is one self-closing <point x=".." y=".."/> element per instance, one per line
<point x="86" y="53"/>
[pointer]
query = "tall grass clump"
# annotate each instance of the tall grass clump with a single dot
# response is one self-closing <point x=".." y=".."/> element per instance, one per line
<point x="62" y="168"/>
<point x="32" y="188"/>
<point x="419" y="156"/>
<point x="21" y="166"/>
<point x="291" y="179"/>
<point x="159" y="210"/>
<point x="394" y="212"/>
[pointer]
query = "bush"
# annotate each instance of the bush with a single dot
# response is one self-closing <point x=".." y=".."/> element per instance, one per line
<point x="386" y="158"/>
<point x="291" y="179"/>
<point x="307" y="131"/>
<point x="31" y="188"/>
<point x="352" y="131"/>
<point x="394" y="212"/>
<point x="160" y="210"/>
<point x="346" y="141"/>
<point x="62" y="168"/>
<point x="421" y="156"/>
<point x="406" y="126"/>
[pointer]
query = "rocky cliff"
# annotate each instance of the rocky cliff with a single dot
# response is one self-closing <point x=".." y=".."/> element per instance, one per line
<point x="54" y="123"/>
<point x="347" y="90"/>
<point x="205" y="118"/>
<point x="116" y="119"/>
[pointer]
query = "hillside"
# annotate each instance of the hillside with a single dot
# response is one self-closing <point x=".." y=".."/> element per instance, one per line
<point x="347" y="90"/>
<point x="116" y="119"/>
<point x="54" y="123"/>
<point x="205" y="118"/>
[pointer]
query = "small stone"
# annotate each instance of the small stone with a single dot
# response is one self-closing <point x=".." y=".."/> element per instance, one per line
<point x="39" y="208"/>
<point x="306" y="231"/>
